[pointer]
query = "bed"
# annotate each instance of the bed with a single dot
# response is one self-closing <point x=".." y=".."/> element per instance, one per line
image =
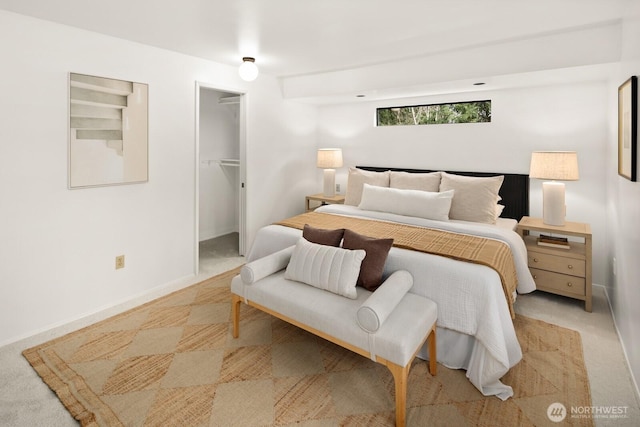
<point x="475" y="326"/>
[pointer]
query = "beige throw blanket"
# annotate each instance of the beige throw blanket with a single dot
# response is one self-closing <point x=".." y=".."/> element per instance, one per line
<point x="463" y="247"/>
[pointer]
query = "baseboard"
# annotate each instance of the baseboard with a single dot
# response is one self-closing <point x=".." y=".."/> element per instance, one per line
<point x="622" y="344"/>
<point x="212" y="234"/>
<point x="66" y="326"/>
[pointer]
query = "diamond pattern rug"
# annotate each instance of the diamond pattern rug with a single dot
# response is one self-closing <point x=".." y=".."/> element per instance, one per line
<point x="173" y="362"/>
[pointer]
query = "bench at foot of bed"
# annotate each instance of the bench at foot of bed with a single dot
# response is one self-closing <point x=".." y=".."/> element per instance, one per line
<point x="389" y="326"/>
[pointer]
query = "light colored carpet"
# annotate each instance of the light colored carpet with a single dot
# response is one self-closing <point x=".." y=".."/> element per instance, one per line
<point x="173" y="362"/>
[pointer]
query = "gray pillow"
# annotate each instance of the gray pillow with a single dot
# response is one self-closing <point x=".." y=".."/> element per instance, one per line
<point x="474" y="198"/>
<point x="429" y="181"/>
<point x="357" y="178"/>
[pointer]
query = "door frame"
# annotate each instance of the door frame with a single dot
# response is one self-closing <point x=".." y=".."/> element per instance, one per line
<point x="242" y="132"/>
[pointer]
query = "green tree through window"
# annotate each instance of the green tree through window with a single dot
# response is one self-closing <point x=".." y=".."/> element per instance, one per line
<point x="459" y="112"/>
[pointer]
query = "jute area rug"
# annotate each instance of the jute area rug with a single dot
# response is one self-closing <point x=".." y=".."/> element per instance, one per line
<point x="173" y="362"/>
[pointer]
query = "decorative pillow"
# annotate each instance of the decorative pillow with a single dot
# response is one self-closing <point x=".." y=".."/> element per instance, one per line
<point x="260" y="268"/>
<point x="325" y="267"/>
<point x="357" y="178"/>
<point x="421" y="204"/>
<point x="380" y="304"/>
<point x="474" y="199"/>
<point x="415" y="181"/>
<point x="323" y="236"/>
<point x="376" y="254"/>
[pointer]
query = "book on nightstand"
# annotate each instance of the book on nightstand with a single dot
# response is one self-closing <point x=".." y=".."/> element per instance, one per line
<point x="553" y="241"/>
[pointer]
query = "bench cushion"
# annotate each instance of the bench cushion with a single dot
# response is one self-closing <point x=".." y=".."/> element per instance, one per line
<point x="396" y="340"/>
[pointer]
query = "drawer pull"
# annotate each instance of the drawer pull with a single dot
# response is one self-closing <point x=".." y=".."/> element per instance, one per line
<point x="535" y="260"/>
<point x="570" y="267"/>
<point x="535" y="276"/>
<point x="569" y="284"/>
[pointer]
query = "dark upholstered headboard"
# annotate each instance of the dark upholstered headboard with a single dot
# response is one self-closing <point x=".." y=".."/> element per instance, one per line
<point x="514" y="190"/>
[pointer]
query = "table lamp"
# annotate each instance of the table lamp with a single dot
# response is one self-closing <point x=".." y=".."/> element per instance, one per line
<point x="329" y="159"/>
<point x="554" y="166"/>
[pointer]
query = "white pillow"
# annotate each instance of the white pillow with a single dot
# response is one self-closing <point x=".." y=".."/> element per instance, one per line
<point x="265" y="266"/>
<point x="415" y="181"/>
<point x="475" y="198"/>
<point x="357" y="178"/>
<point x="326" y="267"/>
<point x="421" y="204"/>
<point x="381" y="303"/>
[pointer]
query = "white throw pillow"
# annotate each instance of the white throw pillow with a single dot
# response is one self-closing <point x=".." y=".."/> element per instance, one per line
<point x="475" y="197"/>
<point x="421" y="204"/>
<point x="357" y="178"/>
<point x="326" y="267"/>
<point x="380" y="304"/>
<point x="415" y="181"/>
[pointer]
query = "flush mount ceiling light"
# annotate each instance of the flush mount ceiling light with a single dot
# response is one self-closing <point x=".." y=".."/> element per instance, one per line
<point x="248" y="70"/>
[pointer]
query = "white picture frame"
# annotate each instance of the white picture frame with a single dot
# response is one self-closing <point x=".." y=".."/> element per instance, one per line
<point x="108" y="131"/>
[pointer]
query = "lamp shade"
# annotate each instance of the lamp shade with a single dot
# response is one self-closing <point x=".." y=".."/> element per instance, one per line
<point x="248" y="70"/>
<point x="329" y="158"/>
<point x="554" y="165"/>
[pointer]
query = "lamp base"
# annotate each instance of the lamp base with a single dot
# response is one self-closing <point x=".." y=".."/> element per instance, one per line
<point x="553" y="205"/>
<point x="329" y="188"/>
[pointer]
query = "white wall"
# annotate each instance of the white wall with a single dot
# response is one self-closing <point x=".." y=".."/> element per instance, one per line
<point x="284" y="136"/>
<point x="624" y="209"/>
<point x="219" y="185"/>
<point x="567" y="117"/>
<point x="58" y="246"/>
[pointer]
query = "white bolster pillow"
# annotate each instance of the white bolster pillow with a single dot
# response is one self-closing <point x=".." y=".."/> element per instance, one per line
<point x="265" y="266"/>
<point x="375" y="310"/>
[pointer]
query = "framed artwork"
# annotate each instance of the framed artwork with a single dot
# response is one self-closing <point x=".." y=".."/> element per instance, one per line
<point x="628" y="129"/>
<point x="108" y="131"/>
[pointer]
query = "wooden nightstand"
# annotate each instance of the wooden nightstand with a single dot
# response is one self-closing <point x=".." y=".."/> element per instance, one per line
<point x="557" y="270"/>
<point x="324" y="200"/>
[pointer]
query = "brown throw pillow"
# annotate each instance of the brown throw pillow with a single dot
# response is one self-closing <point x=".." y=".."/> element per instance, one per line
<point x="322" y="236"/>
<point x="372" y="266"/>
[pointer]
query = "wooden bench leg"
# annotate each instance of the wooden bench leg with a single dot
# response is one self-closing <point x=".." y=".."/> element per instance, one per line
<point x="433" y="362"/>
<point x="235" y="314"/>
<point x="400" y="376"/>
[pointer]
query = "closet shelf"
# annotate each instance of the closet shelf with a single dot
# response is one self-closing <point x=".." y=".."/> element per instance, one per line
<point x="221" y="162"/>
<point x="229" y="162"/>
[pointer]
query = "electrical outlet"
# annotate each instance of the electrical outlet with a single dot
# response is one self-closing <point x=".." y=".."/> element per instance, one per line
<point x="337" y="188"/>
<point x="119" y="262"/>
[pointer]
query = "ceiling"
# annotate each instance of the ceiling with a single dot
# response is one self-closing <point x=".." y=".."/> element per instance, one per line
<point x="294" y="38"/>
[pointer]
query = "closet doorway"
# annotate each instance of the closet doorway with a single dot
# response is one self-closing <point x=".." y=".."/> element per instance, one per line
<point x="220" y="198"/>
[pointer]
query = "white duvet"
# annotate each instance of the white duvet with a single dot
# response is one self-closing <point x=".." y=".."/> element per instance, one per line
<point x="475" y="329"/>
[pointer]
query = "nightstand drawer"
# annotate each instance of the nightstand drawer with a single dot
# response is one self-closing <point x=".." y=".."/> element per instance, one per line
<point x="559" y="270"/>
<point x="547" y="280"/>
<point x="559" y="264"/>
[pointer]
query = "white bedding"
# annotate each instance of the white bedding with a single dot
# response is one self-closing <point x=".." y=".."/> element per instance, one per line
<point x="476" y="332"/>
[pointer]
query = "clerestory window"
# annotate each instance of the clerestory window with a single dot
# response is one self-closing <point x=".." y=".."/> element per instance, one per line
<point x="432" y="114"/>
